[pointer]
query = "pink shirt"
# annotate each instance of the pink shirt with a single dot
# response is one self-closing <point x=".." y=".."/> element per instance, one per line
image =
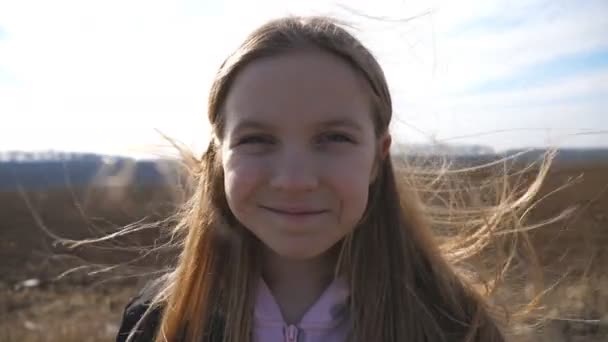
<point x="326" y="321"/>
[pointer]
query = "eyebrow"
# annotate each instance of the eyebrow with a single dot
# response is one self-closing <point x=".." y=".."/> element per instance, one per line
<point x="251" y="124"/>
<point x="342" y="122"/>
<point x="332" y="123"/>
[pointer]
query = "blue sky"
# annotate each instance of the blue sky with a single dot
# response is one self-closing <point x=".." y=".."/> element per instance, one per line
<point x="104" y="76"/>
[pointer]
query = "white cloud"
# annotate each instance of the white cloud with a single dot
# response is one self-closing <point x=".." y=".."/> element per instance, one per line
<point x="588" y="84"/>
<point x="534" y="116"/>
<point x="486" y="55"/>
<point x="104" y="75"/>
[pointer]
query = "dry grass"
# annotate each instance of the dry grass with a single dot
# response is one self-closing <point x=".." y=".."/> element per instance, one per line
<point x="80" y="307"/>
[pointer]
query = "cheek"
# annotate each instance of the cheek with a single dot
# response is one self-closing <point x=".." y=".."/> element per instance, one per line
<point x="241" y="176"/>
<point x="350" y="179"/>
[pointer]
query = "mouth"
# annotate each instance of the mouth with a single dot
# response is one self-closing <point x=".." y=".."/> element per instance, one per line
<point x="294" y="211"/>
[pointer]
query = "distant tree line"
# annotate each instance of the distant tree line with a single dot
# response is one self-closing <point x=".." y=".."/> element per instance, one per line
<point x="26" y="156"/>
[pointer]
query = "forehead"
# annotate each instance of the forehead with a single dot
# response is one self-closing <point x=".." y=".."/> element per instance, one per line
<point x="299" y="87"/>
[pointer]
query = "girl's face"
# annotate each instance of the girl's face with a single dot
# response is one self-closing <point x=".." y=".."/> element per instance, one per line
<point x="299" y="151"/>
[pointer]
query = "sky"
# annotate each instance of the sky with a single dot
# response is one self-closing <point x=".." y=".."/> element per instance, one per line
<point x="110" y="76"/>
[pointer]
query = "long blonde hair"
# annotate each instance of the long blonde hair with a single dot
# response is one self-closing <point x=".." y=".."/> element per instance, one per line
<point x="404" y="280"/>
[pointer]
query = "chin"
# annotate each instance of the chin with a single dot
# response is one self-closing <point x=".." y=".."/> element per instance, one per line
<point x="299" y="252"/>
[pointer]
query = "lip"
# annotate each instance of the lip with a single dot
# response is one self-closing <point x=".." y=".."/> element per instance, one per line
<point x="294" y="211"/>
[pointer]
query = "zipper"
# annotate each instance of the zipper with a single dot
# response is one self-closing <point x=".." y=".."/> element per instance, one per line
<point x="291" y="333"/>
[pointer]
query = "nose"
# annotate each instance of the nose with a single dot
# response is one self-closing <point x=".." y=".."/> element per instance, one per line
<point x="294" y="171"/>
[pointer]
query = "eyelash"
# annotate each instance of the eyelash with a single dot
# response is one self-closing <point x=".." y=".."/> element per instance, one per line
<point x="328" y="137"/>
<point x="255" y="139"/>
<point x="338" y="138"/>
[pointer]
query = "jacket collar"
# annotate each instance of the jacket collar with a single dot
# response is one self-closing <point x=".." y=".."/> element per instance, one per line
<point x="329" y="310"/>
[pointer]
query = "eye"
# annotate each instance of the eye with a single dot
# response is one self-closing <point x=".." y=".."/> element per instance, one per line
<point x="336" y="137"/>
<point x="255" y="139"/>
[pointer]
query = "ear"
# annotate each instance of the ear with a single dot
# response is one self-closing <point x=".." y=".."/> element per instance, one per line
<point x="384" y="147"/>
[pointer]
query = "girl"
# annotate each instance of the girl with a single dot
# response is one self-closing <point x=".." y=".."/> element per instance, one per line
<point x="298" y="229"/>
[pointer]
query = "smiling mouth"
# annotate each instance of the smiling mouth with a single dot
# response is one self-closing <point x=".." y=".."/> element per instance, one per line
<point x="294" y="211"/>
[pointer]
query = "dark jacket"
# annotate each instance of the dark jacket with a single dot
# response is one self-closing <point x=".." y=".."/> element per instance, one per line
<point x="135" y="310"/>
<point x="146" y="331"/>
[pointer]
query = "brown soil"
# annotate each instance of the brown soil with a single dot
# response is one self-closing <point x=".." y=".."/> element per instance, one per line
<point x="82" y="307"/>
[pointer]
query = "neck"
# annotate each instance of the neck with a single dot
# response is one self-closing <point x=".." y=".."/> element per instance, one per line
<point x="297" y="284"/>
